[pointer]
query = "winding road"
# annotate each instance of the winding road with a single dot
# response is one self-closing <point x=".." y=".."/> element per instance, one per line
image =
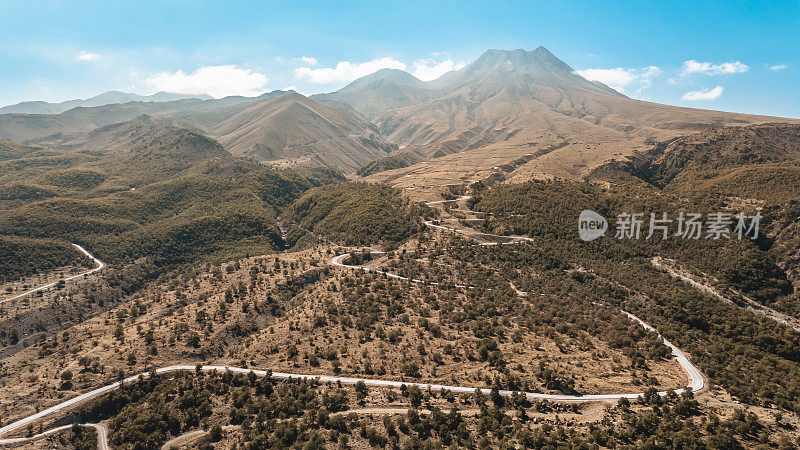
<point x="102" y="435"/>
<point x="99" y="265"/>
<point x="697" y="383"/>
<point x="439" y="202"/>
<point x="696" y="380"/>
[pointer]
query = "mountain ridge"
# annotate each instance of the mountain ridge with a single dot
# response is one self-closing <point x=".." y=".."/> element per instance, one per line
<point x="106" y="98"/>
<point x="502" y="107"/>
<point x="82" y="119"/>
<point x="379" y="92"/>
<point x="296" y="130"/>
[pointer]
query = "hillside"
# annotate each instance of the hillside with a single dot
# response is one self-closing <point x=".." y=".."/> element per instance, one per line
<point x="16" y="262"/>
<point x="541" y="316"/>
<point x="711" y="329"/>
<point x="114" y="158"/>
<point x="516" y="106"/>
<point x="757" y="166"/>
<point x="288" y="130"/>
<point x="296" y="131"/>
<point x="295" y="312"/>
<point x="754" y="164"/>
<point x="13" y="150"/>
<point x="723" y="159"/>
<point x="114" y="138"/>
<point x="163" y="193"/>
<point x="357" y="214"/>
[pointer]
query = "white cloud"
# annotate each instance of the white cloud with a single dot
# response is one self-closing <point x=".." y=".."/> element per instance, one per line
<point x="216" y="81"/>
<point x="310" y="60"/>
<point x="614" y="78"/>
<point x="621" y="79"/>
<point x="346" y="71"/>
<point x="86" y="56"/>
<point x="646" y="76"/>
<point x="707" y="68"/>
<point x="777" y="67"/>
<point x="704" y="94"/>
<point x="429" y="69"/>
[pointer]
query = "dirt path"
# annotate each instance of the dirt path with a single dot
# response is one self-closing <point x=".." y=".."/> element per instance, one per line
<point x="99" y="265"/>
<point x="750" y="304"/>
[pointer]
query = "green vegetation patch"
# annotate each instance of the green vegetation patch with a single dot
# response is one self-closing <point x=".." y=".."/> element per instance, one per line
<point x="358" y="214"/>
<point x="22" y="257"/>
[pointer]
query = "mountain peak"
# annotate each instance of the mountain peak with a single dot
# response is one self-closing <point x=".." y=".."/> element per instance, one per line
<point x="379" y="92"/>
<point x="291" y="96"/>
<point x="514" y="66"/>
<point x="539" y="61"/>
<point x="386" y="75"/>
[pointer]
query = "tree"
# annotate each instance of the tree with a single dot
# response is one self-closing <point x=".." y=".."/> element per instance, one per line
<point x="215" y="433"/>
<point x="193" y="339"/>
<point x="119" y="333"/>
<point x="361" y="390"/>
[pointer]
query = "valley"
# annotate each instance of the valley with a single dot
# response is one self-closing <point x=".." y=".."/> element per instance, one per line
<point x="395" y="264"/>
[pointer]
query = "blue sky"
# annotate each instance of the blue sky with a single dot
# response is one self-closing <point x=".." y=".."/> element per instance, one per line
<point x="735" y="55"/>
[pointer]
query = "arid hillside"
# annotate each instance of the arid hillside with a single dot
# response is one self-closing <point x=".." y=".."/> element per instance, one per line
<point x="297" y="131"/>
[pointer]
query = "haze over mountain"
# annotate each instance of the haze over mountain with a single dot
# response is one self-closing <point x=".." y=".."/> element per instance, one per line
<point x="106" y="98"/>
<point x="33" y="127"/>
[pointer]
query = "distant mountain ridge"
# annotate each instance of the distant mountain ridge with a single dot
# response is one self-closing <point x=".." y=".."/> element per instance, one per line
<point x="287" y="130"/>
<point x="379" y="92"/>
<point x="114" y="138"/>
<point x="35" y="127"/>
<point x="106" y="98"/>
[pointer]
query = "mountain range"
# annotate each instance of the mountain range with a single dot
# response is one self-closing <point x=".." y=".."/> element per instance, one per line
<point x="526" y="111"/>
<point x="106" y="98"/>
